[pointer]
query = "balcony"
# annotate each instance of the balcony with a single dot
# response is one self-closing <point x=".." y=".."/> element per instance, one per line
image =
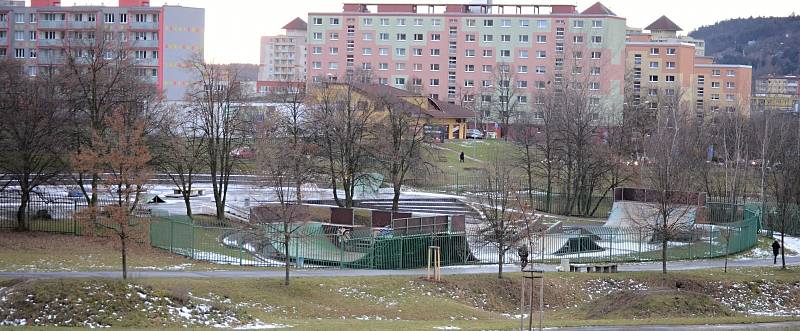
<point x="49" y="60"/>
<point x="50" y="42"/>
<point x="51" y="25"/>
<point x="3" y="25"/>
<point x="144" y="26"/>
<point x="82" y="25"/>
<point x="3" y="41"/>
<point x="146" y="62"/>
<point x="144" y="43"/>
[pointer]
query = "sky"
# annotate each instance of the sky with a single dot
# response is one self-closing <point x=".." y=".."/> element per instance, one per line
<point x="234" y="27"/>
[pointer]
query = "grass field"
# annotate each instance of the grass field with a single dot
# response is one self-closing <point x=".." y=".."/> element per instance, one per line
<point x="468" y="302"/>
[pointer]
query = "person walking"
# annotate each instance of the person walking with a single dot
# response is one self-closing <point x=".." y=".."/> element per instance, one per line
<point x="461" y="157"/>
<point x="776" y="247"/>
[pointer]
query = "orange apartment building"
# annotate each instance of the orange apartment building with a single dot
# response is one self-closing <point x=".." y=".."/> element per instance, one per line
<point x="660" y="63"/>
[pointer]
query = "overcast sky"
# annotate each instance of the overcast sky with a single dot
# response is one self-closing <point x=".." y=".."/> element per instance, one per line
<point x="233" y="27"/>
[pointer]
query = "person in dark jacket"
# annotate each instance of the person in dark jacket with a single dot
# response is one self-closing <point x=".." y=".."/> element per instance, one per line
<point x="461" y="157"/>
<point x="776" y="247"/>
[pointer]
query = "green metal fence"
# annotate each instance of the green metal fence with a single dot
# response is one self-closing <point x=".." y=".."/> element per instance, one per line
<point x="320" y="245"/>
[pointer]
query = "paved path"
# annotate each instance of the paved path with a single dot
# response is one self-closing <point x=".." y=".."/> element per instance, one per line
<point x="332" y="272"/>
<point x="793" y="325"/>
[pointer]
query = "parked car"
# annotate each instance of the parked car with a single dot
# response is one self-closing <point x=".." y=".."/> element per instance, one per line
<point x="474" y="134"/>
<point x="243" y="153"/>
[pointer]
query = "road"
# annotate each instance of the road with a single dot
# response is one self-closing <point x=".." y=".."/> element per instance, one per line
<point x="791" y="325"/>
<point x="332" y="272"/>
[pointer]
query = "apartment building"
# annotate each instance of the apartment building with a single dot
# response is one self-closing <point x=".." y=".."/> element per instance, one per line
<point x="283" y="57"/>
<point x="453" y="52"/>
<point x="660" y="65"/>
<point x="776" y="93"/>
<point x="160" y="39"/>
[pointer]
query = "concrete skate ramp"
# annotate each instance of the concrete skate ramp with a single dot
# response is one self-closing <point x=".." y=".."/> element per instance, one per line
<point x="570" y="245"/>
<point x="636" y="214"/>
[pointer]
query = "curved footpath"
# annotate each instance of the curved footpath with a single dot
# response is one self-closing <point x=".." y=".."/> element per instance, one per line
<point x="332" y="272"/>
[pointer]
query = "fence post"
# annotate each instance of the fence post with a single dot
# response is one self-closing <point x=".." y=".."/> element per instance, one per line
<point x="640" y="245"/>
<point x="191" y="226"/>
<point x="710" y="243"/>
<point x="611" y="246"/>
<point x="457" y="187"/>
<point x="171" y="236"/>
<point x="74" y="220"/>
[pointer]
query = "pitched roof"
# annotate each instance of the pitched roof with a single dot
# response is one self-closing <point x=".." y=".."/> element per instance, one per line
<point x="598" y="9"/>
<point x="663" y="24"/>
<point x="296" y="24"/>
<point x="435" y="108"/>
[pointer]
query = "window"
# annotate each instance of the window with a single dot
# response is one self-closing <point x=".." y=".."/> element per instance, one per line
<point x="577" y="24"/>
<point x="435" y="52"/>
<point x="416" y="51"/>
<point x="596" y="55"/>
<point x="541" y="24"/>
<point x="594" y="86"/>
<point x="32" y="35"/>
<point x="505" y="23"/>
<point x="715" y="85"/>
<point x="523" y="38"/>
<point x="470" y="23"/>
<point x="316" y="20"/>
<point x="700" y="92"/>
<point x="729" y="97"/>
<point x="597" y="39"/>
<point x="367" y="36"/>
<point x="577" y="55"/>
<point x="333" y="21"/>
<point x="19" y="18"/>
<point x="383" y="66"/>
<point x="540" y="70"/>
<point x="701" y="80"/>
<point x="541" y="39"/>
<point x="434" y="82"/>
<point x="524" y="23"/>
<point x="577" y="39"/>
<point x="505" y="53"/>
<point x="671" y="51"/>
<point x="400" y="81"/>
<point x="109" y="18"/>
<point x="522" y="84"/>
<point x="123" y="18"/>
<point x="434" y="67"/>
<point x="653" y="64"/>
<point x="597" y="24"/>
<point x="670" y="92"/>
<point x="653" y="78"/>
<point x="654" y="51"/>
<point x="486" y="83"/>
<point x="487" y="53"/>
<point x="669" y="79"/>
<point x="19" y="35"/>
<point x="522" y="69"/>
<point x="32" y="53"/>
<point x="333" y="36"/>
<point x="488" y="22"/>
<point x="469" y="38"/>
<point x="541" y="54"/>
<point x="486" y="68"/>
<point x="730" y="85"/>
<point x="469" y="53"/>
<point x="436" y="22"/>
<point x="140" y="55"/>
<point x="714" y="96"/>
<point x="595" y="71"/>
<point x="366" y="21"/>
<point x="333" y="50"/>
<point x="316" y="65"/>
<point x="317" y="36"/>
<point x="731" y="73"/>
<point x="383" y="51"/>
<point x="333" y="65"/>
<point x="418" y="37"/>
<point x="417" y="22"/>
<point x="400" y="51"/>
<point x="417" y="67"/>
<point x="384" y="22"/>
<point x="577" y="70"/>
<point x="367" y="51"/>
<point x="540" y="84"/>
<point x="523" y="54"/>
<point x="436" y="37"/>
<point x="383" y="36"/>
<point x="488" y="38"/>
<point x="670" y="65"/>
<point x="19" y="53"/>
<point x="469" y="83"/>
<point x="401" y="22"/>
<point x="400" y="66"/>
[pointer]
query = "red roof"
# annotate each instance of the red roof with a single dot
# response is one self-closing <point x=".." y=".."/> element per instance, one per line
<point x="663" y="24"/>
<point x="598" y="9"/>
<point x="296" y="24"/>
<point x="435" y="108"/>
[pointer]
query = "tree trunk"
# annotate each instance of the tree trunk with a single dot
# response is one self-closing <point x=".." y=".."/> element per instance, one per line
<point x="124" y="257"/>
<point x="220" y="211"/>
<point x="664" y="254"/>
<point x="188" y="203"/>
<point x="23" y="207"/>
<point x="286" y="239"/>
<point x="501" y="261"/>
<point x="396" y="197"/>
<point x="783" y="249"/>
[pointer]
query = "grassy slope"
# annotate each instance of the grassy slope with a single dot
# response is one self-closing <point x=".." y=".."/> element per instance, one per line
<point x="479" y="301"/>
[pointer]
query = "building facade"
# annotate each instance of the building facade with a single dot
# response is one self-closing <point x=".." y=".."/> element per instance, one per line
<point x="454" y="52"/>
<point x="160" y="39"/>
<point x="780" y="93"/>
<point x="663" y="66"/>
<point x="283" y="57"/>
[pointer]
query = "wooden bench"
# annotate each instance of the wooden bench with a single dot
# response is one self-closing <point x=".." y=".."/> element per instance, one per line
<point x="596" y="268"/>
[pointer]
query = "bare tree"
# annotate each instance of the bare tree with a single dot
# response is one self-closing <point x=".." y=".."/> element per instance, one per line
<point x="406" y="141"/>
<point x="507" y="91"/>
<point x="217" y="99"/>
<point x="31" y="132"/>
<point x="783" y="174"/>
<point x="121" y="157"/>
<point x="344" y="123"/>
<point x="292" y="120"/>
<point x="503" y="214"/>
<point x="179" y="151"/>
